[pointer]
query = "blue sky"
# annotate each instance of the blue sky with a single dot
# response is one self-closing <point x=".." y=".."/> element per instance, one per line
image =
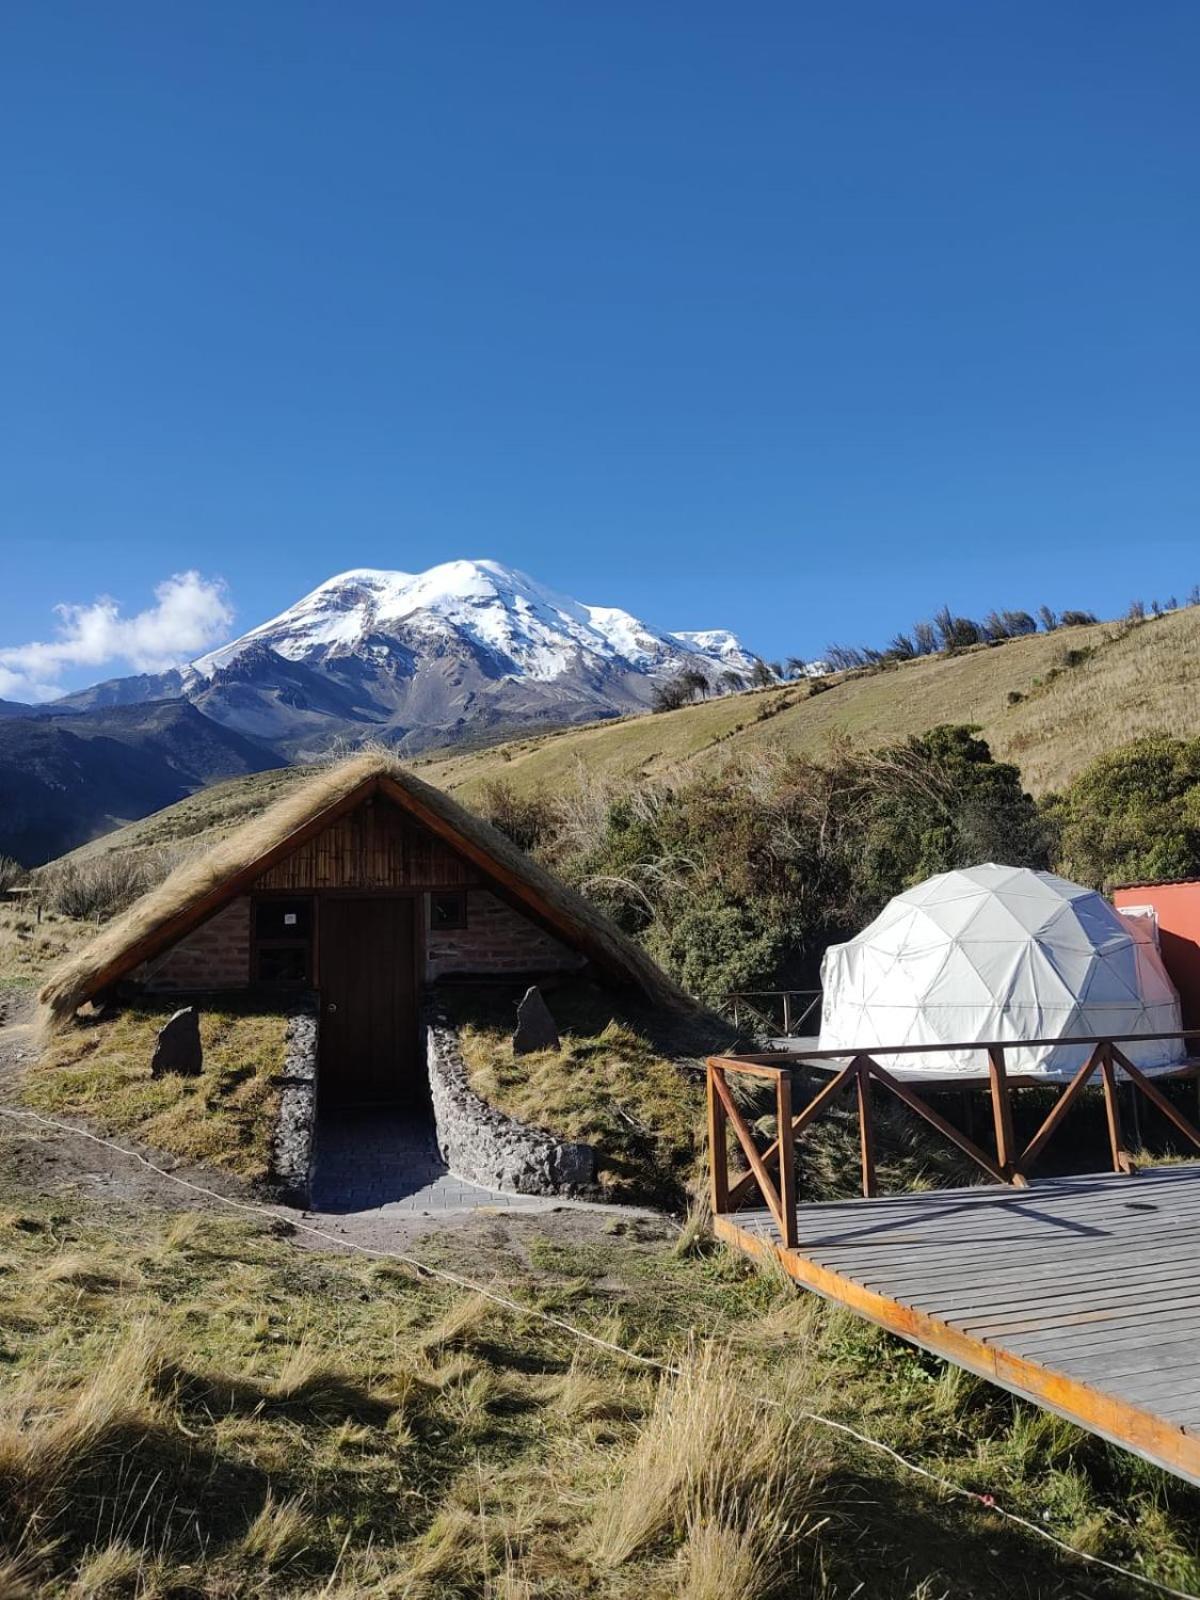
<point x="795" y="319"/>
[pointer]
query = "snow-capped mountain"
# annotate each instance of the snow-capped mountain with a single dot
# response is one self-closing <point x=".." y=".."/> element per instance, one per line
<point x="528" y="630"/>
<point x="426" y="658"/>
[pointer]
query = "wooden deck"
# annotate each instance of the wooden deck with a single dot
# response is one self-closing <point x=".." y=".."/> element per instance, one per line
<point x="1080" y="1294"/>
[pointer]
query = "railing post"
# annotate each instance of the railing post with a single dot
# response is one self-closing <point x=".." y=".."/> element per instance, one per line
<point x="787" y="1159"/>
<point x="718" y="1148"/>
<point x="1121" y="1158"/>
<point x="1002" y="1113"/>
<point x="787" y="1013"/>
<point x="866" y="1131"/>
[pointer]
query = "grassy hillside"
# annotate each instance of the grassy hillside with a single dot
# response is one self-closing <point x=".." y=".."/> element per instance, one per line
<point x="1049" y="702"/>
<point x="1131" y="682"/>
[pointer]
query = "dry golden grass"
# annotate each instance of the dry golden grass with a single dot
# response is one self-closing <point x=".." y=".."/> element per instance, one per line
<point x="1136" y="680"/>
<point x="710" y="1457"/>
<point x="241" y="1418"/>
<point x="225" y="1117"/>
<point x="29" y="948"/>
<point x="1144" y="680"/>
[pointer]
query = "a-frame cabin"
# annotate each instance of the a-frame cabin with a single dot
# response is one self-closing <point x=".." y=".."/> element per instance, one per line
<point x="365" y="885"/>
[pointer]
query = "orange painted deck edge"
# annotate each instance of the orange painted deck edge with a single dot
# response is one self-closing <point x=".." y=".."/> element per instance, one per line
<point x="1163" y="1443"/>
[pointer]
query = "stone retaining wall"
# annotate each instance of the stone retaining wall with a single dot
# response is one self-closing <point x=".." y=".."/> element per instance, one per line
<point x="482" y="1144"/>
<point x="291" y="1155"/>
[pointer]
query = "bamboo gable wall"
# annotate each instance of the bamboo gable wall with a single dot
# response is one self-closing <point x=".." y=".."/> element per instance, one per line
<point x="373" y="847"/>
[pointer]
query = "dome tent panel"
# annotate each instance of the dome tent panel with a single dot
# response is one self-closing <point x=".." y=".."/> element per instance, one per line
<point x="1002" y="953"/>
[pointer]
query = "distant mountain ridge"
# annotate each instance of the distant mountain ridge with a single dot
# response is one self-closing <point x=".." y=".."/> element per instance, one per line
<point x="425" y="659"/>
<point x="66" y="778"/>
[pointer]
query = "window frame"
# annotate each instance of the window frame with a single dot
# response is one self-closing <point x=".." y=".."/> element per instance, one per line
<point x="306" y="943"/>
<point x="459" y="925"/>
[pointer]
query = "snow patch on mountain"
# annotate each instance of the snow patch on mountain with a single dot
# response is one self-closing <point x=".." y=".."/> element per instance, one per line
<point x="527" y="630"/>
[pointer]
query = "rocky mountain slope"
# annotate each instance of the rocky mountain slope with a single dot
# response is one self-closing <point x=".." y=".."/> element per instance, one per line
<point x="462" y="651"/>
<point x="65" y="779"/>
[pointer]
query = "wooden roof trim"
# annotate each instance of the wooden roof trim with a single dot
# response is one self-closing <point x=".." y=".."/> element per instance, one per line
<point x="512" y="883"/>
<point x="191" y="916"/>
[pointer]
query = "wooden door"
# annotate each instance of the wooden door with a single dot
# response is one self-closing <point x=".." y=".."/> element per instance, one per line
<point x="370" y="1035"/>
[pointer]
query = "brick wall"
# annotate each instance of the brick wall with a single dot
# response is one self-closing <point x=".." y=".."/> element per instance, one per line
<point x="496" y="939"/>
<point x="216" y="955"/>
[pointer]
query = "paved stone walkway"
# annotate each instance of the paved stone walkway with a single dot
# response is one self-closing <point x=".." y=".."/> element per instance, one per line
<point x="388" y="1164"/>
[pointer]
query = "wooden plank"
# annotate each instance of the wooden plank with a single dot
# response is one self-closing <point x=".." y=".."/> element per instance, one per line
<point x="1047" y="1314"/>
<point x="1120" y="1329"/>
<point x="1088" y="1290"/>
<point x="1056" y="1271"/>
<point x="940" y="1268"/>
<point x="1032" y="1241"/>
<point x="718" y="1147"/>
<point x="1042" y="1219"/>
<point x="800" y="1121"/>
<point x="746" y="1140"/>
<point x="1136" y="1429"/>
<point x="1066" y="1100"/>
<point x="1005" y="1326"/>
<point x="866" y="1130"/>
<point x="1131" y="1359"/>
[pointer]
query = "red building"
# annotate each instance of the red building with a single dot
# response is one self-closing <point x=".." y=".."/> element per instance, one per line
<point x="1176" y="908"/>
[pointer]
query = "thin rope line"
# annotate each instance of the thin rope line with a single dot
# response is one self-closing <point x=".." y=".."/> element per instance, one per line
<point x="257" y="1208"/>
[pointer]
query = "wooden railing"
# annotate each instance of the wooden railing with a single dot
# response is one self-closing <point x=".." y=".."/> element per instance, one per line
<point x="782" y="1011"/>
<point x="772" y="1170"/>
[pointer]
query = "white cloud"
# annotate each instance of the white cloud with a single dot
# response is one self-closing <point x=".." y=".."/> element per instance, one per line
<point x="190" y="615"/>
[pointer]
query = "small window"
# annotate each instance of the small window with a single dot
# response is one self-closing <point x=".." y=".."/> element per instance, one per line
<point x="447" y="910"/>
<point x="282" y="941"/>
<point x="284" y="963"/>
<point x="282" y="919"/>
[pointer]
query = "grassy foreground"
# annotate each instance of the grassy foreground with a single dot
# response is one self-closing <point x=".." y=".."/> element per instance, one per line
<point x="225" y="1117"/>
<point x="193" y="1406"/>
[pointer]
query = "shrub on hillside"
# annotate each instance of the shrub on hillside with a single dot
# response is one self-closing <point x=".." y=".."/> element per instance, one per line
<point x="527" y="819"/>
<point x="1133" y="814"/>
<point x="741" y="879"/>
<point x="95" y="889"/>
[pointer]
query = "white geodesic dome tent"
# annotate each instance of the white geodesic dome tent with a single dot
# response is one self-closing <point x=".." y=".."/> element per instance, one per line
<point x="997" y="953"/>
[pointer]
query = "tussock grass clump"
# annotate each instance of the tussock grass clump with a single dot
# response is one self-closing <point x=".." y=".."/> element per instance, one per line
<point x="95" y="888"/>
<point x="225" y="1117"/>
<point x="713" y="1464"/>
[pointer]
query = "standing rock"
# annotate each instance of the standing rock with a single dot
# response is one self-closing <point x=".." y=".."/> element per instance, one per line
<point x="536" y="1028"/>
<point x="177" y="1048"/>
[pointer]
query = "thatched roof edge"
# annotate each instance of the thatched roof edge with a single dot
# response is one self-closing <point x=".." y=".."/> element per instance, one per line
<point x="200" y="886"/>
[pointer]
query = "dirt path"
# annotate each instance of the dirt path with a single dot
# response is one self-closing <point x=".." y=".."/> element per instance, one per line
<point x="67" y="1159"/>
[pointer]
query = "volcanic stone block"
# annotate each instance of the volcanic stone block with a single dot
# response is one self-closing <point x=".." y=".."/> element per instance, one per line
<point x="178" y="1048"/>
<point x="536" y="1028"/>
